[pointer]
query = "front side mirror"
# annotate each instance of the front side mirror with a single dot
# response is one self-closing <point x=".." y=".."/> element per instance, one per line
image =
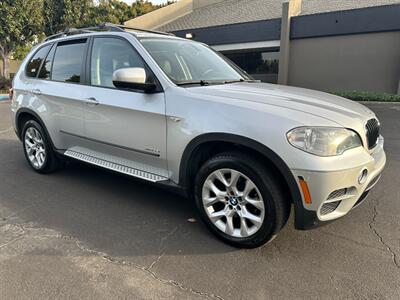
<point x="132" y="78"/>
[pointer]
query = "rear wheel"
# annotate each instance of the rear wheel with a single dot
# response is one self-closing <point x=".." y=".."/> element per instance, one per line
<point x="239" y="200"/>
<point x="38" y="150"/>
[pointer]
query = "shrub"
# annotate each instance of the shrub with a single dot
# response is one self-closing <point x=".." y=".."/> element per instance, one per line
<point x="5" y="83"/>
<point x="368" y="96"/>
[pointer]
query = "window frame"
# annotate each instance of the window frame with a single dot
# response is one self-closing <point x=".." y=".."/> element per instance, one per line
<point x="240" y="71"/>
<point x="50" y="45"/>
<point x="83" y="66"/>
<point x="159" y="88"/>
<point x="53" y="46"/>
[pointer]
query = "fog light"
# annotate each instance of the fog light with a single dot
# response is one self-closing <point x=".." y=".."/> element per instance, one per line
<point x="363" y="176"/>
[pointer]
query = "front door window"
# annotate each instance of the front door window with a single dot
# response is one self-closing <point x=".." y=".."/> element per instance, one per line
<point x="109" y="55"/>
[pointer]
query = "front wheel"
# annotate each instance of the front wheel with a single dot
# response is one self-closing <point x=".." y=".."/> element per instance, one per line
<point x="239" y="200"/>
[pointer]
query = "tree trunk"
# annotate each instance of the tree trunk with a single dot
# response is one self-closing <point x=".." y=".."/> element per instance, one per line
<point x="2" y="61"/>
<point x="6" y="71"/>
<point x="4" y="58"/>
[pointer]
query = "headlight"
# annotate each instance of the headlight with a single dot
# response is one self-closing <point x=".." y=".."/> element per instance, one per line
<point x="323" y="141"/>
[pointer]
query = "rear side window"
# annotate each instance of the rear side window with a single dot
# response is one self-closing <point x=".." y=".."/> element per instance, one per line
<point x="68" y="61"/>
<point x="34" y="64"/>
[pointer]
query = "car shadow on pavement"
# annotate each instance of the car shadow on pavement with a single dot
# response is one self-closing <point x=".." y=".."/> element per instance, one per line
<point x="112" y="213"/>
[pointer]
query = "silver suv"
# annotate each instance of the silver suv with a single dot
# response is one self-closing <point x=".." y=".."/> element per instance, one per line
<point x="173" y="111"/>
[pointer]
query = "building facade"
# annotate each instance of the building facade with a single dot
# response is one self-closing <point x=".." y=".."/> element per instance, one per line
<point x="336" y="45"/>
<point x="13" y="66"/>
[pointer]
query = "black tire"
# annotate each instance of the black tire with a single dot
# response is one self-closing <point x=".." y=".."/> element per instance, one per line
<point x="277" y="208"/>
<point x="52" y="161"/>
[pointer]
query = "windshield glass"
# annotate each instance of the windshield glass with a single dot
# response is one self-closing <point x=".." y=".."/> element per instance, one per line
<point x="186" y="62"/>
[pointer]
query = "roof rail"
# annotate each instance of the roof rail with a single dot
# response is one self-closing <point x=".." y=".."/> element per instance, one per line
<point x="101" y="27"/>
<point x="66" y="32"/>
<point x="136" y="29"/>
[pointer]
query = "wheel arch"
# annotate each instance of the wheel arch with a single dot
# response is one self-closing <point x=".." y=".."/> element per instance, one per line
<point x="25" y="114"/>
<point x="304" y="219"/>
<point x="212" y="139"/>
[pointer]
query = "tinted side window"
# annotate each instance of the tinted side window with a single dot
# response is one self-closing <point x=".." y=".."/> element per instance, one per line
<point x="46" y="67"/>
<point x="108" y="55"/>
<point x="68" y="61"/>
<point x="33" y="66"/>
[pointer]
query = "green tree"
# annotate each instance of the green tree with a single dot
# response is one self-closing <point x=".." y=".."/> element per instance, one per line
<point x="61" y="14"/>
<point x="76" y="13"/>
<point x="144" y="7"/>
<point x="25" y="22"/>
<point x="21" y="51"/>
<point x="113" y="11"/>
<point x="20" y="23"/>
<point x="53" y="11"/>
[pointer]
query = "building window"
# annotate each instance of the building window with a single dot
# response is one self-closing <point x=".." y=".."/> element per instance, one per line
<point x="260" y="64"/>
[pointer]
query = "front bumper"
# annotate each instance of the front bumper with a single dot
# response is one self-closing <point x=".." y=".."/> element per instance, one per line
<point x="335" y="193"/>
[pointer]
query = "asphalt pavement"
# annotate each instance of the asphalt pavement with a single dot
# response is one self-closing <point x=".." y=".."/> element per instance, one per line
<point x="85" y="233"/>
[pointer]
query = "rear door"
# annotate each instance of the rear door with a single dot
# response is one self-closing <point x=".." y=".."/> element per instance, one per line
<point x="58" y="87"/>
<point x="127" y="126"/>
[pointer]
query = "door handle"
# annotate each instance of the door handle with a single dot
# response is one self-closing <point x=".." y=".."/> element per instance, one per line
<point x="36" y="92"/>
<point x="91" y="101"/>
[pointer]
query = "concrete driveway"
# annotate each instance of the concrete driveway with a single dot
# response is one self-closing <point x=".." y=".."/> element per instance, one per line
<point x="84" y="233"/>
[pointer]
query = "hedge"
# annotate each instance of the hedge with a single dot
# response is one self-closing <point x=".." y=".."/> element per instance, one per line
<point x="369" y="96"/>
<point x="5" y="84"/>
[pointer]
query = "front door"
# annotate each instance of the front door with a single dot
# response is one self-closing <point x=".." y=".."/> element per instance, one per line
<point x="125" y="125"/>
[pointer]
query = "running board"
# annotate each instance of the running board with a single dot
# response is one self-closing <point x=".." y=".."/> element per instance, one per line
<point x="110" y="163"/>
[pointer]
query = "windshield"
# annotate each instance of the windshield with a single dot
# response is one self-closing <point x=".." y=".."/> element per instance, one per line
<point x="187" y="62"/>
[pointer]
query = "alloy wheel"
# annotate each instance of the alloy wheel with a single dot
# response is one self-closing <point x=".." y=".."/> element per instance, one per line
<point x="233" y="203"/>
<point x="34" y="147"/>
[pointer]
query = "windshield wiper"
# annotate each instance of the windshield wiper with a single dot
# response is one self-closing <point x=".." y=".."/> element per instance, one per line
<point x="240" y="80"/>
<point x="210" y="82"/>
<point x="201" y="82"/>
<point x="234" y="81"/>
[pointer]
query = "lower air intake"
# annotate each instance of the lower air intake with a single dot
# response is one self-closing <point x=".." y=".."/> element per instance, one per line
<point x="337" y="194"/>
<point x="327" y="208"/>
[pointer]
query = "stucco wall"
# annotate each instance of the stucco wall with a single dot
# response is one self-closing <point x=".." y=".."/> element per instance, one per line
<point x="13" y="66"/>
<point x="368" y="62"/>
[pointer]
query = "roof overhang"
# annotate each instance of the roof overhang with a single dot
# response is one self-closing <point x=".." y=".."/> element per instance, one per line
<point x="248" y="46"/>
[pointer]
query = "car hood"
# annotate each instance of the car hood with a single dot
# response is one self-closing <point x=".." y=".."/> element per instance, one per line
<point x="333" y="108"/>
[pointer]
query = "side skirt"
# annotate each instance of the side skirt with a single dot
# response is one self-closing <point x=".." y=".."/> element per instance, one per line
<point x="114" y="164"/>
